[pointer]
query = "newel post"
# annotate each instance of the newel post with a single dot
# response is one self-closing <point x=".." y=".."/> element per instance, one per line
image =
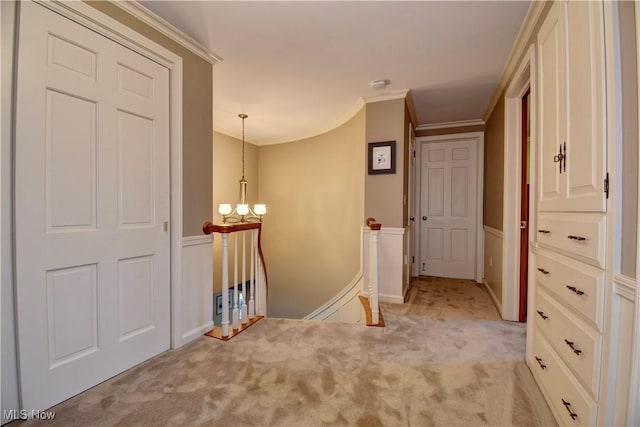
<point x="374" y="228"/>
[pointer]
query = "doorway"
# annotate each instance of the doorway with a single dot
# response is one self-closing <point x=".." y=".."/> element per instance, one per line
<point x="525" y="140"/>
<point x="449" y="213"/>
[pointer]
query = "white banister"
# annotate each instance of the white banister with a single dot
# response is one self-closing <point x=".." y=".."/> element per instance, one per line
<point x="371" y="303"/>
<point x="252" y="287"/>
<point x="373" y="275"/>
<point x="225" y="285"/>
<point x="236" y="314"/>
<point x="245" y="313"/>
<point x="254" y="290"/>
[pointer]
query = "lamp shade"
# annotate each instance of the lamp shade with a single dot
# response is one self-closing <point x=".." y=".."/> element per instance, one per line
<point x="260" y="209"/>
<point x="242" y="209"/>
<point x="224" y="208"/>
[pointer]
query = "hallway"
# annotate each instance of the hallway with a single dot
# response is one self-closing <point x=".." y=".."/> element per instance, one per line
<point x="444" y="358"/>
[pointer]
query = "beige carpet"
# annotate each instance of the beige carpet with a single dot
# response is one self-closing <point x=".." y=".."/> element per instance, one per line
<point x="428" y="367"/>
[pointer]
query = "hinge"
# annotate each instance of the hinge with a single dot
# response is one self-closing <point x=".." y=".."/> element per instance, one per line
<point x="606" y="185"/>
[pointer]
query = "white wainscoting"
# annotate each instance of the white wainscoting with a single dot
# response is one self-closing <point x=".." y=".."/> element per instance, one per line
<point x="622" y="347"/>
<point x="492" y="280"/>
<point x="197" y="287"/>
<point x="391" y="264"/>
<point x="344" y="307"/>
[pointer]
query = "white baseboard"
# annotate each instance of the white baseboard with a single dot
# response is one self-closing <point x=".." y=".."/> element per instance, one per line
<point x="197" y="332"/>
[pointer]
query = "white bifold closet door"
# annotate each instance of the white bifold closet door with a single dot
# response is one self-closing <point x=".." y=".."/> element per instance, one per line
<point x="91" y="200"/>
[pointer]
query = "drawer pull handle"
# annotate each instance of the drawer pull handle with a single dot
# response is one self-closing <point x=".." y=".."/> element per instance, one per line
<point x="542" y="270"/>
<point x="575" y="290"/>
<point x="542" y="365"/>
<point x="578" y="238"/>
<point x="544" y="316"/>
<point x="573" y="347"/>
<point x="544" y="231"/>
<point x="567" y="405"/>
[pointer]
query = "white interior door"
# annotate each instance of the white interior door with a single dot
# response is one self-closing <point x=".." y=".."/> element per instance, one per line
<point x="91" y="199"/>
<point x="448" y="208"/>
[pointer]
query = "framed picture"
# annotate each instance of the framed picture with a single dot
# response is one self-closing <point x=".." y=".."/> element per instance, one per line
<point x="382" y="157"/>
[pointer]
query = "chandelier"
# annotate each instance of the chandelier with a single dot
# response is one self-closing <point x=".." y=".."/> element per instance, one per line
<point x="242" y="213"/>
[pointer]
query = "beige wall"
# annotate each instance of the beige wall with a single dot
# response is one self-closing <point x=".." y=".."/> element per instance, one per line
<point x="385" y="121"/>
<point x="196" y="122"/>
<point x="629" y="162"/>
<point x="314" y="191"/>
<point x="494" y="167"/>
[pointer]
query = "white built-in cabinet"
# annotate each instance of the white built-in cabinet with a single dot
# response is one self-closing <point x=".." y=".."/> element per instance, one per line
<point x="569" y="308"/>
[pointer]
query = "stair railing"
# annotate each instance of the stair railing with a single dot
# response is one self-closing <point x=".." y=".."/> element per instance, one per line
<point x="374" y="228"/>
<point x="255" y="306"/>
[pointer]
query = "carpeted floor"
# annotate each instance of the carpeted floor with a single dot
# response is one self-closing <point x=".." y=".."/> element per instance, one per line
<point x="444" y="359"/>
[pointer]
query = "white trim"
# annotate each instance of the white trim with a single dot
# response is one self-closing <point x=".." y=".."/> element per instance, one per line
<point x="197" y="332"/>
<point x="391" y="299"/>
<point x="634" y="392"/>
<point x="517" y="50"/>
<point x="336" y="300"/>
<point x="493" y="231"/>
<point x="512" y="182"/>
<point x="140" y="12"/>
<point x="479" y="196"/>
<point x="112" y="29"/>
<point x="447" y="125"/>
<point x="396" y="94"/>
<point x="205" y="239"/>
<point x="625" y="286"/>
<point x="398" y="231"/>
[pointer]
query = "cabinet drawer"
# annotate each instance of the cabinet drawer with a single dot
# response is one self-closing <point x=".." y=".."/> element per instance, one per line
<point x="561" y="389"/>
<point x="577" y="285"/>
<point x="575" y="342"/>
<point x="578" y="235"/>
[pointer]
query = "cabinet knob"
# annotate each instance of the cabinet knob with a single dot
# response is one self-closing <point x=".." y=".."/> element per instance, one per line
<point x="543" y="271"/>
<point x="540" y="362"/>
<point x="544" y="231"/>
<point x="578" y="238"/>
<point x="541" y="314"/>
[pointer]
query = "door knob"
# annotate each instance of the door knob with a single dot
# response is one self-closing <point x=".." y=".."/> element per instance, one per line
<point x="424" y="218"/>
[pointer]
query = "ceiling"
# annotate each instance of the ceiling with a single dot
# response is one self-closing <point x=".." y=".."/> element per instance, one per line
<point x="301" y="68"/>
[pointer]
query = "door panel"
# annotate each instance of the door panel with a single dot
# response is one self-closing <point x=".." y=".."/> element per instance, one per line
<point x="551" y="118"/>
<point x="92" y="191"/>
<point x="448" y="208"/>
<point x="586" y="156"/>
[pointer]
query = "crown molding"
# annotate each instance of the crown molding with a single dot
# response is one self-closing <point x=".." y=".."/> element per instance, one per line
<point x="165" y="28"/>
<point x="517" y="50"/>
<point x="444" y="125"/>
<point x="396" y="94"/>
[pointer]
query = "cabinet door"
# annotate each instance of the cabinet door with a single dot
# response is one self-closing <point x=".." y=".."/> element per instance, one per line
<point x="551" y="107"/>
<point x="585" y="81"/>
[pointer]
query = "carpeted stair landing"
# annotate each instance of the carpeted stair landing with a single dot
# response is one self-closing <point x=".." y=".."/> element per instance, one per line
<point x="419" y="370"/>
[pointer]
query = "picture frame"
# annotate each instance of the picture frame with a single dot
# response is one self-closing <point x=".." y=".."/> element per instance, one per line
<point x="382" y="157"/>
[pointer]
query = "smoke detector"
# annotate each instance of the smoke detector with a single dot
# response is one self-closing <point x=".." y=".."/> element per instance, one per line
<point x="379" y="84"/>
